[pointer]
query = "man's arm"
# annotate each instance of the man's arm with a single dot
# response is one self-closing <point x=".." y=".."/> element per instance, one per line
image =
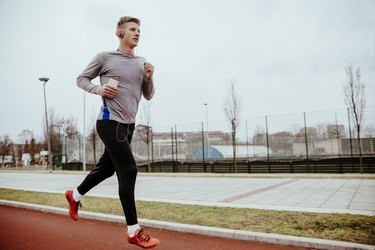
<point x="148" y="89"/>
<point x="90" y="72"/>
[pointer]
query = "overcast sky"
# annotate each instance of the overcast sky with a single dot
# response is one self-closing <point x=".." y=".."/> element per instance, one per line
<point x="286" y="56"/>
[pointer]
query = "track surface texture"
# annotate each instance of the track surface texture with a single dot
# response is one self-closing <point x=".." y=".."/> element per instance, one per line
<point x="28" y="229"/>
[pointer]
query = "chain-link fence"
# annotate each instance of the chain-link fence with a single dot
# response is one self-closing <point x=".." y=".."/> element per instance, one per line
<point x="303" y="136"/>
<point x="315" y="135"/>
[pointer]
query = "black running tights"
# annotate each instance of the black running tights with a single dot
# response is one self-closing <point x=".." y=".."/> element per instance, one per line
<point x="117" y="157"/>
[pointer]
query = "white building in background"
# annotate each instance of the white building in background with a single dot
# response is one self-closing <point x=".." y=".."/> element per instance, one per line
<point x="26" y="159"/>
<point x="320" y="147"/>
<point x="299" y="149"/>
<point x="242" y="151"/>
<point x="327" y="147"/>
<point x="6" y="159"/>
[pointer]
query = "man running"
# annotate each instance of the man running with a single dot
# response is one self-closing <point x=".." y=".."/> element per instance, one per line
<point x="124" y="78"/>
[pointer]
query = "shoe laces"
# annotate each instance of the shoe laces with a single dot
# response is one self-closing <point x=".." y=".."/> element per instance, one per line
<point x="142" y="236"/>
<point x="78" y="205"/>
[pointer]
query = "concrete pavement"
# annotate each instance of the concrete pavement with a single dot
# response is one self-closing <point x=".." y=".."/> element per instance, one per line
<point x="352" y="194"/>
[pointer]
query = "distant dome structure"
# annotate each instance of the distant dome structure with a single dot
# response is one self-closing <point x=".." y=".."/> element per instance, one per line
<point x="209" y="152"/>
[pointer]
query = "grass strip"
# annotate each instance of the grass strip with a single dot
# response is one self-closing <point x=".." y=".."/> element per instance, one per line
<point x="343" y="227"/>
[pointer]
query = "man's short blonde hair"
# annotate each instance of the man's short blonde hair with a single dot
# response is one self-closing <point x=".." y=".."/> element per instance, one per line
<point x="127" y="19"/>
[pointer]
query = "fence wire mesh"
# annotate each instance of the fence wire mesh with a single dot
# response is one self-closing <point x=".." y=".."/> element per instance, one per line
<point x="321" y="134"/>
<point x="313" y="134"/>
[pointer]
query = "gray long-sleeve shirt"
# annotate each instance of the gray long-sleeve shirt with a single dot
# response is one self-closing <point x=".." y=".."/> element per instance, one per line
<point x="129" y="72"/>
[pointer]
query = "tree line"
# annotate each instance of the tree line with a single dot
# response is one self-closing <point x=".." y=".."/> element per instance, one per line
<point x="60" y="129"/>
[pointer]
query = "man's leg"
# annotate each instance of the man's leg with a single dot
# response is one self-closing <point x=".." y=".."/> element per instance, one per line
<point x="103" y="170"/>
<point x="117" y="138"/>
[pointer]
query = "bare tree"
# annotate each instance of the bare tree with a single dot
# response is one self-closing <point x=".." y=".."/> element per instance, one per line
<point x="145" y="130"/>
<point x="355" y="99"/>
<point x="26" y="136"/>
<point x="93" y="138"/>
<point x="369" y="131"/>
<point x="70" y="128"/>
<point x="49" y="134"/>
<point x="70" y="131"/>
<point x="56" y="124"/>
<point x="6" y="147"/>
<point x="32" y="150"/>
<point x="232" y="106"/>
<point x="60" y="127"/>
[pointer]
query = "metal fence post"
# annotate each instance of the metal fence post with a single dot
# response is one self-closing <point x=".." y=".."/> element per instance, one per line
<point x="268" y="150"/>
<point x="291" y="169"/>
<point x="248" y="166"/>
<point x="247" y="143"/>
<point x="176" y="159"/>
<point x="338" y="143"/>
<point x="172" y="150"/>
<point x="307" y="147"/>
<point x="152" y="150"/>
<point x="204" y="164"/>
<point x="351" y="143"/>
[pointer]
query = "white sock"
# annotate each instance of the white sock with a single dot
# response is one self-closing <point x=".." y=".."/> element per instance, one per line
<point x="76" y="195"/>
<point x="132" y="229"/>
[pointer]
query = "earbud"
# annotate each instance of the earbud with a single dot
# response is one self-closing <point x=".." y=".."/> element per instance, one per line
<point x="120" y="33"/>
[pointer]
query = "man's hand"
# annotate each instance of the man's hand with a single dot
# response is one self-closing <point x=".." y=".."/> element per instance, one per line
<point x="108" y="91"/>
<point x="149" y="70"/>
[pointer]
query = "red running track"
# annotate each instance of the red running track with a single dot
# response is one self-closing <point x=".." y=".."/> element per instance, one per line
<point x="28" y="229"/>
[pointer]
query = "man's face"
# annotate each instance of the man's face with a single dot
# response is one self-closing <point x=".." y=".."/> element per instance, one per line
<point x="132" y="34"/>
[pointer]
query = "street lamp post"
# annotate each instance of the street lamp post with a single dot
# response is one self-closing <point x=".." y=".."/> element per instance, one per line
<point x="84" y="133"/>
<point x="45" y="80"/>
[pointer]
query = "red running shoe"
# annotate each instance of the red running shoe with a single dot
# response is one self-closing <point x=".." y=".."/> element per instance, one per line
<point x="142" y="239"/>
<point x="73" y="205"/>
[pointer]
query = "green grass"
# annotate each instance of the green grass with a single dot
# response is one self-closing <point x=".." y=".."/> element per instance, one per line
<point x="343" y="227"/>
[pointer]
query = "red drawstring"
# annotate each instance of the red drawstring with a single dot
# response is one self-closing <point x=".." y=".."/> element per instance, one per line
<point x="126" y="136"/>
<point x="125" y="109"/>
